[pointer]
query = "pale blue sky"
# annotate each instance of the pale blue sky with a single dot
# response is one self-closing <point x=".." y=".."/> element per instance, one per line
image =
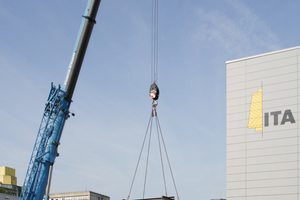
<point x="100" y="145"/>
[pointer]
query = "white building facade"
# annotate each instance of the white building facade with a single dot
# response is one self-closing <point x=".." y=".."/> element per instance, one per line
<point x="86" y="195"/>
<point x="263" y="132"/>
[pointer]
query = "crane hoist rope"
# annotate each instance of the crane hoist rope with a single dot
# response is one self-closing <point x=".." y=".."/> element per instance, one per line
<point x="154" y="41"/>
<point x="154" y="91"/>
<point x="154" y="95"/>
<point x="161" y="142"/>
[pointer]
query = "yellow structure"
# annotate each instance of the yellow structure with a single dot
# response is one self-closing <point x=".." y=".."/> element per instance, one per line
<point x="8" y="176"/>
<point x="255" y="117"/>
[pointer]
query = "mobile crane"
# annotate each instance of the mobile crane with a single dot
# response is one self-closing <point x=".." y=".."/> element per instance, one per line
<point x="38" y="177"/>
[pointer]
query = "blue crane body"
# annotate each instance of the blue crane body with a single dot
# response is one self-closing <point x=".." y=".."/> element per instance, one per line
<point x="38" y="177"/>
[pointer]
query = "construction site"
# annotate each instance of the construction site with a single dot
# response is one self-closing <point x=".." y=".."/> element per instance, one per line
<point x="157" y="100"/>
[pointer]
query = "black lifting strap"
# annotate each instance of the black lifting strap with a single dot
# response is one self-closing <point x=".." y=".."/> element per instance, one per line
<point x="154" y="92"/>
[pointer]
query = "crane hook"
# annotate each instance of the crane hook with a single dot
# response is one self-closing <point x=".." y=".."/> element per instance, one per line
<point x="154" y="92"/>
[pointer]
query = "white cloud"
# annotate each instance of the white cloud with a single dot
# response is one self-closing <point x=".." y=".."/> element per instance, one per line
<point x="239" y="31"/>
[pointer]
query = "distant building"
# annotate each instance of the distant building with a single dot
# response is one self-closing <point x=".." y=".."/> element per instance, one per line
<point x="8" y="197"/>
<point x="8" y="181"/>
<point x="87" y="195"/>
<point x="8" y="176"/>
<point x="13" y="190"/>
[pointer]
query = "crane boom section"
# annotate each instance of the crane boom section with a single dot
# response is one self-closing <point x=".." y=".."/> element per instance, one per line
<point x="80" y="47"/>
<point x="56" y="111"/>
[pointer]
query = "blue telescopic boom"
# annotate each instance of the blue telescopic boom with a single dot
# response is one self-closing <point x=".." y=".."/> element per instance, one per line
<point x="38" y="177"/>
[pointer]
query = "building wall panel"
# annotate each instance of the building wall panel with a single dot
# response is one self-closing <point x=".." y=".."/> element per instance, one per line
<point x="236" y="124"/>
<point x="284" y="103"/>
<point x="236" y="192"/>
<point x="236" y="169"/>
<point x="280" y="174"/>
<point x="282" y="94"/>
<point x="272" y="167"/>
<point x="236" y="101"/>
<point x="235" y="154"/>
<point x="273" y="197"/>
<point x="236" y="162"/>
<point x="271" y="143"/>
<point x="236" y="109"/>
<point x="272" y="151"/>
<point x="236" y="139"/>
<point x="236" y="131"/>
<point x="272" y="183"/>
<point x="236" y="147"/>
<point x="273" y="72"/>
<point x="282" y="85"/>
<point x="236" y="177"/>
<point x="272" y="190"/>
<point x="236" y="71"/>
<point x="263" y="160"/>
<point x="236" y="87"/>
<point x="236" y="94"/>
<point x="235" y="65"/>
<point x="267" y="135"/>
<point x="236" y="185"/>
<point x="236" y="79"/>
<point x="236" y="198"/>
<point x="237" y="116"/>
<point x="265" y="66"/>
<point x="272" y="159"/>
<point x="273" y="80"/>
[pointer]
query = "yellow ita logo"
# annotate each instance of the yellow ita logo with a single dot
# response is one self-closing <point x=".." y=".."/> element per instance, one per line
<point x="256" y="114"/>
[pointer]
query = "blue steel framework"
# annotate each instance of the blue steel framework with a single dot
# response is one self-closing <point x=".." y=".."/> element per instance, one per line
<point x="38" y="177"/>
<point x="56" y="111"/>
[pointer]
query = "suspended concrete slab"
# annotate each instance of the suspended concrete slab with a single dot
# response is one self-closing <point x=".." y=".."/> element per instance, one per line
<point x="159" y="198"/>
